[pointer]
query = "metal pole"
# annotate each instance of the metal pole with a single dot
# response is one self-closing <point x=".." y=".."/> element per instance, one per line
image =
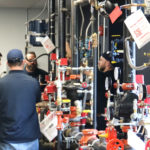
<point x="52" y="20"/>
<point x="26" y="47"/>
<point x="74" y="35"/>
<point x="48" y="8"/>
<point x="95" y="62"/>
<point x="129" y="74"/>
<point x="52" y="32"/>
<point x="62" y="50"/>
<point x="68" y="28"/>
<point x="48" y="33"/>
<point x="62" y="28"/>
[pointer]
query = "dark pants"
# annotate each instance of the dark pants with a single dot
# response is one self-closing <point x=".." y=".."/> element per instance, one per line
<point x="101" y="123"/>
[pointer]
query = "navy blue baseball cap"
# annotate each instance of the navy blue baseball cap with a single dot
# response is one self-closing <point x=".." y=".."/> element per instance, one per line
<point x="15" y="55"/>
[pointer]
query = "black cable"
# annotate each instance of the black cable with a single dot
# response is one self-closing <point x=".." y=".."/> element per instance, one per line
<point x="37" y="57"/>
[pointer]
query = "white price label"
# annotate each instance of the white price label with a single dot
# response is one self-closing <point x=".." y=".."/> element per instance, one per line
<point x="48" y="126"/>
<point x="139" y="28"/>
<point x="47" y="44"/>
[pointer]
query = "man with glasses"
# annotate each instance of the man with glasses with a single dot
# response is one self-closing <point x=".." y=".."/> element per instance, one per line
<point x="32" y="69"/>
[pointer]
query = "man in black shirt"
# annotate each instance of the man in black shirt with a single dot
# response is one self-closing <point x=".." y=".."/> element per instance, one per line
<point x="106" y="69"/>
<point x="32" y="69"/>
<point x="19" y="125"/>
<point x="104" y="64"/>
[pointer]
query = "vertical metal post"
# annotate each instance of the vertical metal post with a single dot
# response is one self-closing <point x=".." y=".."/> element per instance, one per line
<point x="62" y="50"/>
<point x="68" y="28"/>
<point x="104" y="36"/>
<point x="95" y="62"/>
<point x="52" y="32"/>
<point x="129" y="74"/>
<point x="52" y="20"/>
<point x="48" y="32"/>
<point x="48" y="8"/>
<point x="74" y="35"/>
<point x="26" y="47"/>
<point x="62" y="28"/>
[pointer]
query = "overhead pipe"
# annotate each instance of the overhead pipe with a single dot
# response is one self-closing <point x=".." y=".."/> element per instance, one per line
<point x="52" y="20"/>
<point x="62" y="28"/>
<point x="27" y="43"/>
<point x="106" y="34"/>
<point x="129" y="74"/>
<point x="76" y="2"/>
<point x="82" y="24"/>
<point x="52" y="32"/>
<point x="62" y="51"/>
<point x="48" y="33"/>
<point x="81" y="32"/>
<point x="95" y="63"/>
<point x="101" y="29"/>
<point x="98" y="25"/>
<point x="75" y="35"/>
<point x="68" y="28"/>
<point x="48" y="8"/>
<point x="130" y="62"/>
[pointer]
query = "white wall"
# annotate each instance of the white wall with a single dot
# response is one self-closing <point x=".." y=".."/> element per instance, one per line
<point x="12" y="34"/>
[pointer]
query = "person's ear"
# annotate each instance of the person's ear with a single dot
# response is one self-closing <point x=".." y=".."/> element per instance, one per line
<point x="7" y="64"/>
<point x="107" y="62"/>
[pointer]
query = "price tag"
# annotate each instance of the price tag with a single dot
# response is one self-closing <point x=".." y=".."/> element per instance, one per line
<point x="139" y="28"/>
<point x="47" y="44"/>
<point x="48" y="126"/>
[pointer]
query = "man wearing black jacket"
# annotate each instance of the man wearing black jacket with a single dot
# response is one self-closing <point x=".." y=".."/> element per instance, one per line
<point x="31" y="68"/>
<point x="106" y="69"/>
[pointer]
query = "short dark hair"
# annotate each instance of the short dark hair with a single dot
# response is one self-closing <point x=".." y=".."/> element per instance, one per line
<point x="15" y="63"/>
<point x="0" y="54"/>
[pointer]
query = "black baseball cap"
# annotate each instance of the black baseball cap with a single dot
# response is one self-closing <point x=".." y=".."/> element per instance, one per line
<point x="15" y="55"/>
<point x="107" y="55"/>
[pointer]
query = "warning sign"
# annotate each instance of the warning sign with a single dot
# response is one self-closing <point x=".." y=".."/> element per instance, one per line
<point x="139" y="28"/>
